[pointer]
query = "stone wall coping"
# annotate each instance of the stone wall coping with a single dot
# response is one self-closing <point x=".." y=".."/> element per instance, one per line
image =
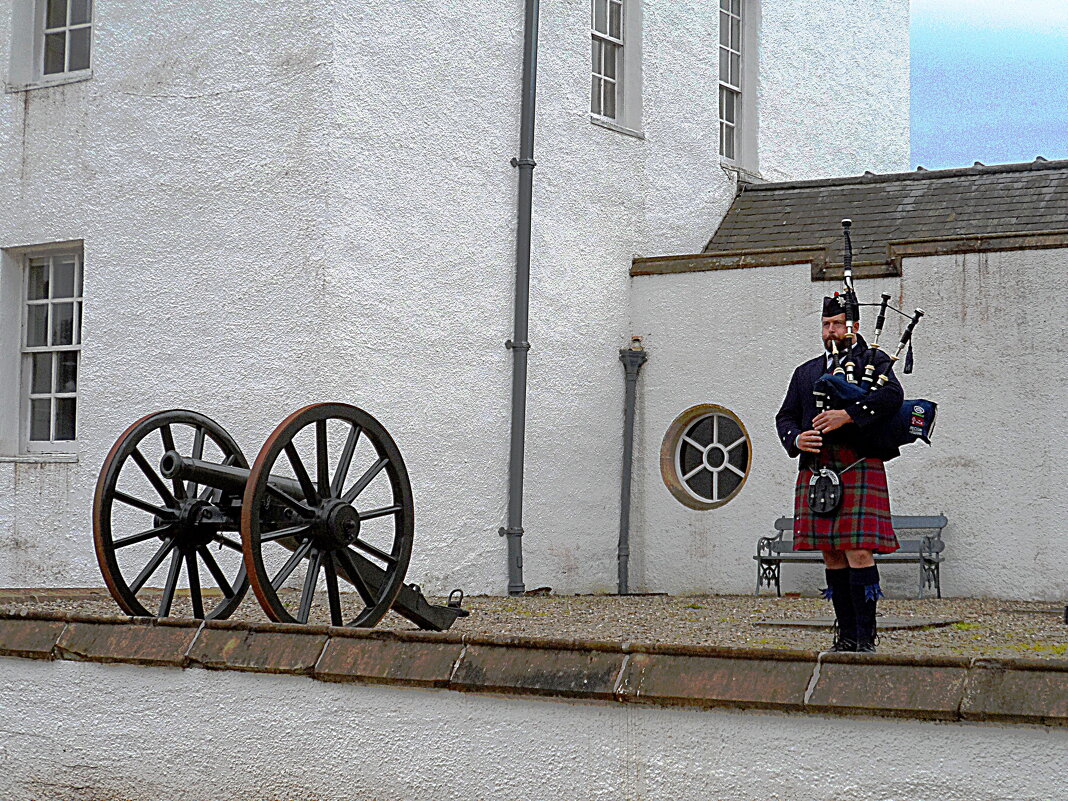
<point x="821" y="258"/>
<point x="1017" y="690"/>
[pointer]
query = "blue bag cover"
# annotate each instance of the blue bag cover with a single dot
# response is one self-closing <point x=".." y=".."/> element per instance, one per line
<point x="915" y="420"/>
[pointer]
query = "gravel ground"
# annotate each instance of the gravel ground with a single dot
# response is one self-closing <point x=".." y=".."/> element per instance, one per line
<point x="985" y="627"/>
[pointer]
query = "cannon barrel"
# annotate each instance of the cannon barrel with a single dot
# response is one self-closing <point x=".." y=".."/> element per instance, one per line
<point x="220" y="476"/>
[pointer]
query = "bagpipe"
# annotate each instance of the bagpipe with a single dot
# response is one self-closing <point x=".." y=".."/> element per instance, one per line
<point x="850" y="380"/>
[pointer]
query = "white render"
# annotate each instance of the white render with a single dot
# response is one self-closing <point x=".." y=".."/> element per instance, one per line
<point x="988" y="352"/>
<point x="148" y="733"/>
<point x="283" y="204"/>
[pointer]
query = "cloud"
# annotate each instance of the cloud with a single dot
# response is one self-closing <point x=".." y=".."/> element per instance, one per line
<point x="1050" y="16"/>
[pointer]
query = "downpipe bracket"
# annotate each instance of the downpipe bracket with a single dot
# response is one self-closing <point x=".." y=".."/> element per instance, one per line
<point x="523" y="162"/>
<point x="509" y="532"/>
<point x="510" y="345"/>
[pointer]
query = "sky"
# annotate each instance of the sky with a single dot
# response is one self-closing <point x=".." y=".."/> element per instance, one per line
<point x="989" y="81"/>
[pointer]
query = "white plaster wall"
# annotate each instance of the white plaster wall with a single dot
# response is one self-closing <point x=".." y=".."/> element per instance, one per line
<point x="834" y="88"/>
<point x="149" y="733"/>
<point x="286" y="204"/>
<point x="986" y="352"/>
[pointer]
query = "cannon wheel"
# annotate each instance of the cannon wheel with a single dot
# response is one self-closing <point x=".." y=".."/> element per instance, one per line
<point x="328" y="529"/>
<point x="172" y="518"/>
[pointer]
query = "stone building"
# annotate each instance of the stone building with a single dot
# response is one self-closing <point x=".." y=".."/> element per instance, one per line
<point x="258" y="207"/>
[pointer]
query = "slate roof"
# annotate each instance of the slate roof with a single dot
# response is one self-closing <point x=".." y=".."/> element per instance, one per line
<point x="1004" y="198"/>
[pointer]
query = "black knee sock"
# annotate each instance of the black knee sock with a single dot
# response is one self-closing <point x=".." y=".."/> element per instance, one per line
<point x="838" y="590"/>
<point x="865" y="591"/>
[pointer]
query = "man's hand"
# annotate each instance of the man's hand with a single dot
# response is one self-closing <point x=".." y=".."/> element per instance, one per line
<point x="810" y="441"/>
<point x="831" y="419"/>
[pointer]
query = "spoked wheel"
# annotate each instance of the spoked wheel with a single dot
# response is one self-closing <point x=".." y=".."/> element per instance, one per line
<point x="328" y="496"/>
<point x="141" y="520"/>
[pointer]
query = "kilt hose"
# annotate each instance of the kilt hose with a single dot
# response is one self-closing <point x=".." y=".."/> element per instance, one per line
<point x="863" y="519"/>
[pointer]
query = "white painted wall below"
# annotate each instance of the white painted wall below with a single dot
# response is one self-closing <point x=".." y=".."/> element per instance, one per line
<point x="74" y="729"/>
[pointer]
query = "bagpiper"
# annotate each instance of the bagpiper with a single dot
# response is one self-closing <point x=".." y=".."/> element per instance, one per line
<point x="844" y="415"/>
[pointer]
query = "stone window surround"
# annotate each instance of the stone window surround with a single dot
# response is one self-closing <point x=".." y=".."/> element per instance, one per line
<point x="26" y="66"/>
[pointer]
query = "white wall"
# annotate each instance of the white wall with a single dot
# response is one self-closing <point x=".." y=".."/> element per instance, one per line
<point x="989" y="352"/>
<point x="149" y="733"/>
<point x="289" y="204"/>
<point x="834" y="88"/>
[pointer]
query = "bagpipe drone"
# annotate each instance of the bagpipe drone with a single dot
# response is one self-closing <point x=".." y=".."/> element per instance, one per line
<point x="849" y="381"/>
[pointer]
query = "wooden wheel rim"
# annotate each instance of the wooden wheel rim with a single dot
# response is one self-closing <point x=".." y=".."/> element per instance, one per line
<point x="256" y="494"/>
<point x="104" y="497"/>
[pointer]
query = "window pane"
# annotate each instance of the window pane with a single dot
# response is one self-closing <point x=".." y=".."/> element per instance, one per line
<point x="728" y="141"/>
<point x="724" y="65"/>
<point x="63" y="279"/>
<point x="40" y="420"/>
<point x="729" y="102"/>
<point x="736" y="35"/>
<point x="615" y="20"/>
<point x="63" y="324"/>
<point x="724" y="29"/>
<point x="38" y="280"/>
<point x="611" y="57"/>
<point x="55" y="47"/>
<point x="78" y="324"/>
<point x="65" y="408"/>
<point x="736" y="7"/>
<point x="37" y="325"/>
<point x="79" y="49"/>
<point x="41" y="380"/>
<point x="727" y="481"/>
<point x="57" y="14"/>
<point x="80" y="11"/>
<point x="736" y="70"/>
<point x="595" y="95"/>
<point x="610" y="99"/>
<point x="600" y="12"/>
<point x="66" y="370"/>
<point x="596" y="56"/>
<point x="725" y="5"/>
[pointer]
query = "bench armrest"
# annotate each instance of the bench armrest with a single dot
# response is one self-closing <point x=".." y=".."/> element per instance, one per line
<point x="764" y="544"/>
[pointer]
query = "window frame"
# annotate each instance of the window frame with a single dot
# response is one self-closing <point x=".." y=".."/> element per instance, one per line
<point x="26" y="66"/>
<point x="41" y="32"/>
<point x="627" y="95"/>
<point x="725" y="88"/>
<point x="25" y="352"/>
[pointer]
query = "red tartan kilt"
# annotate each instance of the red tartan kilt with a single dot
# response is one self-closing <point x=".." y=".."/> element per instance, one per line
<point x="863" y="519"/>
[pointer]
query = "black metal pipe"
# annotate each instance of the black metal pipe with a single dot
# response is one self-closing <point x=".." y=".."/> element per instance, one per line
<point x="633" y="358"/>
<point x="518" y="344"/>
<point x="220" y="476"/>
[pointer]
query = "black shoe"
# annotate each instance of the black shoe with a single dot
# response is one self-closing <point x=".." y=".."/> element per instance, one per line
<point x="841" y="643"/>
<point x="865" y="648"/>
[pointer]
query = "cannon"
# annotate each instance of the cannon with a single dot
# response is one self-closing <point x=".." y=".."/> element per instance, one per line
<point x="327" y="497"/>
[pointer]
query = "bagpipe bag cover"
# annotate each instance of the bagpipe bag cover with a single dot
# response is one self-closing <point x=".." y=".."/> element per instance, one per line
<point x="914" y="420"/>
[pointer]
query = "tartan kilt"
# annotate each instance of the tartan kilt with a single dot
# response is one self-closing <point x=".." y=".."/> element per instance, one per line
<point x="863" y="519"/>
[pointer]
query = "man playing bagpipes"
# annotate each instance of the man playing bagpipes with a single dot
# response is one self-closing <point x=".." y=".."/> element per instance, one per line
<point x="844" y="415"/>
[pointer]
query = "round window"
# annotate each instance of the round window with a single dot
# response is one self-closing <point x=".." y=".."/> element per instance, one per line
<point x="706" y="456"/>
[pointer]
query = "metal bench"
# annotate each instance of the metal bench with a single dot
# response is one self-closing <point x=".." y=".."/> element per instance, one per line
<point x="925" y="551"/>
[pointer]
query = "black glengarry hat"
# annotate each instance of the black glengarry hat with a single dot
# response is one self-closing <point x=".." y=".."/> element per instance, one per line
<point x="833" y="306"/>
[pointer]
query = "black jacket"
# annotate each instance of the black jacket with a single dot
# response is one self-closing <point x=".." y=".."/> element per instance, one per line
<point x="799" y="407"/>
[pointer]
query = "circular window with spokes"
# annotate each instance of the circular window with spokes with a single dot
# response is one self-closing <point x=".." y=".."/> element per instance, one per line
<point x="706" y="456"/>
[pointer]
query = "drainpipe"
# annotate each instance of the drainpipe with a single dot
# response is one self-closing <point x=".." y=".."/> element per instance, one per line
<point x="518" y="344"/>
<point x="633" y="358"/>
